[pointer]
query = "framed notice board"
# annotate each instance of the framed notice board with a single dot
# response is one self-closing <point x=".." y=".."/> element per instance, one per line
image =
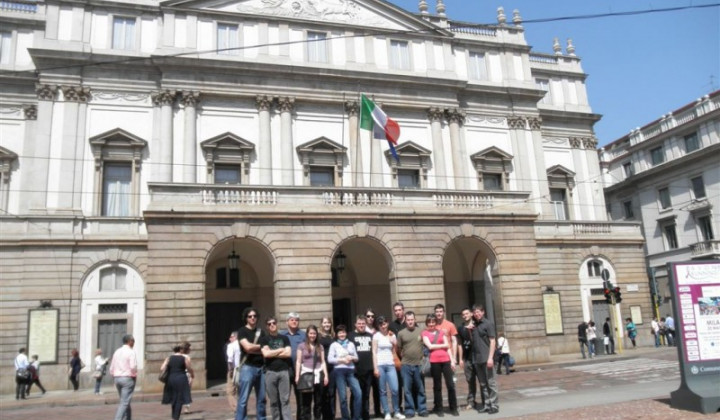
<point x="553" y="313"/>
<point x="43" y="327"/>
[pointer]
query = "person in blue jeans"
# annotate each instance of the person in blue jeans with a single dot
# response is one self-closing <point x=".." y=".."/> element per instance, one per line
<point x="251" y="373"/>
<point x="342" y="355"/>
<point x="411" y="353"/>
<point x="383" y="346"/>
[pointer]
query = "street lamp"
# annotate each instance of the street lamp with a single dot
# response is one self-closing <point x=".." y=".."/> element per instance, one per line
<point x="340" y="261"/>
<point x="233" y="259"/>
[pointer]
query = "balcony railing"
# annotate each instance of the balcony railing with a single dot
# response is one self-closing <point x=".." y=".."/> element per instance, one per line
<point x="707" y="249"/>
<point x="569" y="229"/>
<point x="275" y="199"/>
<point x="27" y="6"/>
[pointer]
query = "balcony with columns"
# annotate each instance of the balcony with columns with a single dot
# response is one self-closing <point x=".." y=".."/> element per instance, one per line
<point x="705" y="250"/>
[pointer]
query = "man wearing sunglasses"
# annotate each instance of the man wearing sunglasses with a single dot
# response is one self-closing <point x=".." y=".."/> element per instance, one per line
<point x="276" y="353"/>
<point x="251" y="372"/>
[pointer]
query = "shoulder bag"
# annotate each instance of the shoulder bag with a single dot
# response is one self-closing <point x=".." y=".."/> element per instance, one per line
<point x="307" y="379"/>
<point x="236" y="371"/>
<point x="163" y="377"/>
<point x="426" y="359"/>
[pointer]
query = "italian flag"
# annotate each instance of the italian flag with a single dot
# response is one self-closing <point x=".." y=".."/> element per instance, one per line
<point x="372" y="118"/>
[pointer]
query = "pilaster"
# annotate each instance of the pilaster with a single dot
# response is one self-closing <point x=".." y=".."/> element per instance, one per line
<point x="73" y="134"/>
<point x="164" y="166"/>
<point x="36" y="148"/>
<point x="286" y="105"/>
<point x="190" y="100"/>
<point x="455" y="118"/>
<point x="353" y="110"/>
<point x="436" y="115"/>
<point x="264" y="103"/>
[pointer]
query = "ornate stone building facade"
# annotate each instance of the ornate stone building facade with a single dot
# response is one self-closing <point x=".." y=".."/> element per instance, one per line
<point x="144" y="142"/>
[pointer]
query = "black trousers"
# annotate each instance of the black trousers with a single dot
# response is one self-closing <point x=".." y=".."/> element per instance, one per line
<point x="365" y="379"/>
<point x="311" y="403"/>
<point x="329" y="397"/>
<point x="21" y="387"/>
<point x="438" y="371"/>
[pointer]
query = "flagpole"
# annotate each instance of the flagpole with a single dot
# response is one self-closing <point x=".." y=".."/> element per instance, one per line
<point x="358" y="146"/>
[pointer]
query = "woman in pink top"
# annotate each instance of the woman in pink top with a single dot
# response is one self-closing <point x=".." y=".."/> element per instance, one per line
<point x="441" y="364"/>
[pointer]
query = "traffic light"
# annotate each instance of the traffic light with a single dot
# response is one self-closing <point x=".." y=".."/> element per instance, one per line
<point x="608" y="297"/>
<point x="618" y="294"/>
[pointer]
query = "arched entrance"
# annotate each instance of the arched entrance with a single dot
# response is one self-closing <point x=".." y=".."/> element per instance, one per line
<point x="469" y="269"/>
<point x="229" y="289"/>
<point x="364" y="282"/>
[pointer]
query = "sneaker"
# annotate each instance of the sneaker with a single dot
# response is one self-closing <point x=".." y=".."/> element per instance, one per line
<point x="438" y="413"/>
<point x="469" y="407"/>
<point x="424" y="414"/>
<point x="388" y="416"/>
<point x="399" y="416"/>
<point x="455" y="413"/>
<point x="493" y="410"/>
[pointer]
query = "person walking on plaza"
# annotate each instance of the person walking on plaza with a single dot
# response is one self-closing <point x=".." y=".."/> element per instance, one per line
<point x="364" y="366"/>
<point x="21" y="374"/>
<point x="484" y="347"/>
<point x="276" y="352"/>
<point x="251" y="372"/>
<point x="296" y="336"/>
<point x="504" y="360"/>
<point x="608" y="337"/>
<point x="631" y="331"/>
<point x="310" y="358"/>
<point x="343" y="356"/>
<point x="35" y="374"/>
<point x="410" y="346"/>
<point x="74" y="367"/>
<point x="185" y="350"/>
<point x="465" y="356"/>
<point x="176" y="391"/>
<point x="441" y="365"/>
<point x="100" y="370"/>
<point x="123" y="369"/>
<point x="326" y="339"/>
<point x="655" y="326"/>
<point x="591" y="333"/>
<point x="582" y="338"/>
<point x="670" y="327"/>
<point x="232" y="358"/>
<point x="383" y="347"/>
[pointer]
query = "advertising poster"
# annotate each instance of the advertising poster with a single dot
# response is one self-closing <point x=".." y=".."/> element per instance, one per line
<point x="698" y="300"/>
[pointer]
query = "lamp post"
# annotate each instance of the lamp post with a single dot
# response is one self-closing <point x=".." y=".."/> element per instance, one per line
<point x="233" y="259"/>
<point x="340" y="259"/>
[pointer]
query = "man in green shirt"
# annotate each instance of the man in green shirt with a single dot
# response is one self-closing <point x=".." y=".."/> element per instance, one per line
<point x="410" y="346"/>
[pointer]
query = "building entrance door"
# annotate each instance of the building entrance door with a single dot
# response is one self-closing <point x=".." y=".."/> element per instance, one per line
<point x="220" y="320"/>
<point x="109" y="339"/>
<point x="601" y="310"/>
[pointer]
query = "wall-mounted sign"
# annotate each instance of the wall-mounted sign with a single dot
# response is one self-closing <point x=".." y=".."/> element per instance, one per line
<point x="553" y="314"/>
<point x="43" y="326"/>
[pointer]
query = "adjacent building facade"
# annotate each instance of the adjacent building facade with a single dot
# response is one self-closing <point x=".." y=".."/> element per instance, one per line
<point x="666" y="175"/>
<point x="165" y="164"/>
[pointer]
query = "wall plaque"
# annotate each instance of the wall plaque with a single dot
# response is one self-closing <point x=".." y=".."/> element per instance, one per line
<point x="43" y="326"/>
<point x="553" y="314"/>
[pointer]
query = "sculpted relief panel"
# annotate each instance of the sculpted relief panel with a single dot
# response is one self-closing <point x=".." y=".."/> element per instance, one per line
<point x="346" y="11"/>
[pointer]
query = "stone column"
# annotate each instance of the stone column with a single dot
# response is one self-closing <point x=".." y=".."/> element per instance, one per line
<point x="521" y="156"/>
<point x="353" y="110"/>
<point x="456" y="117"/>
<point x="164" y="162"/>
<point x="435" y="115"/>
<point x="287" y="151"/>
<point x="190" y="100"/>
<point x="587" y="168"/>
<point x="543" y="187"/>
<point x="71" y="152"/>
<point x="263" y="104"/>
<point x="36" y="147"/>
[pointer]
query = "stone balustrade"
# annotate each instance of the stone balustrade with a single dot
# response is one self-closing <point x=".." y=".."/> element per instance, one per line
<point x="705" y="249"/>
<point x="569" y="229"/>
<point x="22" y="6"/>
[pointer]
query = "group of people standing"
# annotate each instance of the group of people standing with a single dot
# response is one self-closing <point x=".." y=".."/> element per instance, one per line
<point x="27" y="373"/>
<point x="588" y="337"/>
<point x="321" y="364"/>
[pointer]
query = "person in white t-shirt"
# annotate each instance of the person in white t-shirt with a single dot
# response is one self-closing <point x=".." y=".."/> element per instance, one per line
<point x="503" y="348"/>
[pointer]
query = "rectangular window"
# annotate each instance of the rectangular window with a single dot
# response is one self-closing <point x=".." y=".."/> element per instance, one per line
<point x="477" y="69"/>
<point x="628" y="169"/>
<point x="691" y="143"/>
<point x="594" y="268"/>
<point x="664" y="196"/>
<point x="227" y="39"/>
<point x="544" y="84"/>
<point x="492" y="182"/>
<point x="227" y="174"/>
<point x="221" y="278"/>
<point x="317" y="47"/>
<point x="112" y="278"/>
<point x="657" y="156"/>
<point x="123" y="36"/>
<point x="5" y="47"/>
<point x="558" y="199"/>
<point x="628" y="209"/>
<point x="399" y="55"/>
<point x="706" y="230"/>
<point x="698" y="187"/>
<point x="322" y="176"/>
<point x="408" y="178"/>
<point x="117" y="181"/>
<point x="670" y="236"/>
<point x="234" y="278"/>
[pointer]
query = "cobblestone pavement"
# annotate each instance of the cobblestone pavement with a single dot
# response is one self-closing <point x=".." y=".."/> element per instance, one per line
<point x="528" y="384"/>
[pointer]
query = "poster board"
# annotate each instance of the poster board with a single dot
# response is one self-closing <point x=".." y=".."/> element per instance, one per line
<point x="553" y="313"/>
<point x="43" y="327"/>
<point x="636" y="314"/>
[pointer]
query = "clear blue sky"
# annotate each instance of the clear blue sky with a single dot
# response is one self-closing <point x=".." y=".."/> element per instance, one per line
<point x="640" y="67"/>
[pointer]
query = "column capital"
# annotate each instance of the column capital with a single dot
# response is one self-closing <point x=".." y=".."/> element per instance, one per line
<point x="516" y="122"/>
<point x="352" y="108"/>
<point x="76" y="93"/>
<point x="590" y="143"/>
<point x="45" y="92"/>
<point x="576" y="142"/>
<point x="286" y="103"/>
<point x="455" y="115"/>
<point x="263" y="102"/>
<point x="535" y="123"/>
<point x="190" y="98"/>
<point x="30" y="112"/>
<point x="164" y="97"/>
<point x="435" y="114"/>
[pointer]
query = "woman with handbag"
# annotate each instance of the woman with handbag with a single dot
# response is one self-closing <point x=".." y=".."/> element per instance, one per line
<point x="75" y="366"/>
<point x="442" y="365"/>
<point x="311" y="375"/>
<point x="176" y="392"/>
<point x="100" y="369"/>
<point x="383" y="348"/>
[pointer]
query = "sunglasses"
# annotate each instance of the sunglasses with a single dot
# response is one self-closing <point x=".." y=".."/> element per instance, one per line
<point x="369" y="316"/>
<point x="252" y="316"/>
<point x="272" y="323"/>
